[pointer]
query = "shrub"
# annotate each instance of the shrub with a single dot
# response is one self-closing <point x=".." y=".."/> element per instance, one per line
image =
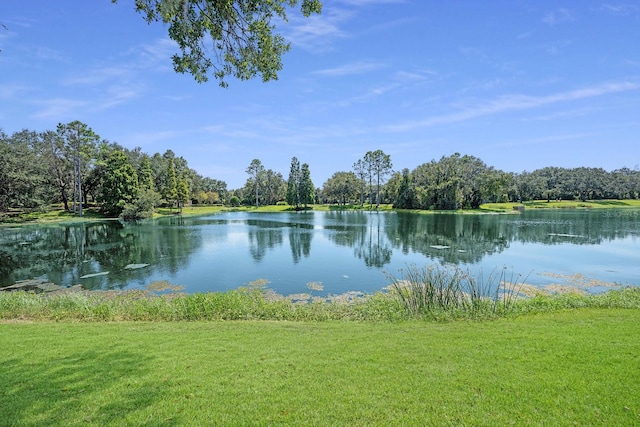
<point x="142" y="207"/>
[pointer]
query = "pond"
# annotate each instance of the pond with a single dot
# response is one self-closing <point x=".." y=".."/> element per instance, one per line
<point x="326" y="253"/>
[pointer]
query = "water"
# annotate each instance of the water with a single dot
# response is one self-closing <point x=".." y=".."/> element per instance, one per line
<point x="342" y="250"/>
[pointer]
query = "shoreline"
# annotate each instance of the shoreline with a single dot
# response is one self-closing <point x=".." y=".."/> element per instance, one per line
<point x="59" y="216"/>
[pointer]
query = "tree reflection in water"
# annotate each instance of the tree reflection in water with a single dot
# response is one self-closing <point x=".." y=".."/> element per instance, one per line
<point x="231" y="248"/>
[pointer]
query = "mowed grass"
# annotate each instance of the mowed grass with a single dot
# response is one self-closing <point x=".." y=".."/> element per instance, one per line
<point x="561" y="204"/>
<point x="571" y="367"/>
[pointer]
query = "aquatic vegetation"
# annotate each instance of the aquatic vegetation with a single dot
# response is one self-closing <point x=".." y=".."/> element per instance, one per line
<point x="315" y="286"/>
<point x="163" y="285"/>
<point x="403" y="301"/>
<point x="441" y="289"/>
<point x="258" y="283"/>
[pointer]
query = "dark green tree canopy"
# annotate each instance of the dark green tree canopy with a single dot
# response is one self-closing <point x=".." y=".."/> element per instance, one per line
<point x="293" y="195"/>
<point x="120" y="183"/>
<point x="225" y="37"/>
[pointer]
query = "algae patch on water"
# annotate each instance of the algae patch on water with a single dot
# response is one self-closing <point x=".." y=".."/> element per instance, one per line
<point x="580" y="280"/>
<point x="258" y="283"/>
<point x="163" y="285"/>
<point x="315" y="286"/>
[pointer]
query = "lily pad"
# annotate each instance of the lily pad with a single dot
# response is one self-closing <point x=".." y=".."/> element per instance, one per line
<point x="439" y="247"/>
<point x="102" y="273"/>
<point x="135" y="266"/>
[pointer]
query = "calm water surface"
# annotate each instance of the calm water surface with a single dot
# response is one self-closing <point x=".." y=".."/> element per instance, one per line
<point x="343" y="250"/>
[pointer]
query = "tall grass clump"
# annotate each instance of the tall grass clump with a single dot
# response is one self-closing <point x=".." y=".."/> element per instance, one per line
<point x="437" y="291"/>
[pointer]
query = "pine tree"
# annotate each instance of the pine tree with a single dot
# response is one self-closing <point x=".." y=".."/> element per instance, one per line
<point x="171" y="192"/>
<point x="293" y="193"/>
<point x="306" y="190"/>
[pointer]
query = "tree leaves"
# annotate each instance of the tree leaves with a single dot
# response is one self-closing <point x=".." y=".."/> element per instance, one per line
<point x="225" y="37"/>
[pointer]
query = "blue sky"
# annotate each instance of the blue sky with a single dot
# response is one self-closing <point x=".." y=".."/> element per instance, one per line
<point x="521" y="84"/>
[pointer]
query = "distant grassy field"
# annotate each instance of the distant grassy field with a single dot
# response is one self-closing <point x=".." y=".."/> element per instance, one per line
<point x="562" y="204"/>
<point x="572" y="367"/>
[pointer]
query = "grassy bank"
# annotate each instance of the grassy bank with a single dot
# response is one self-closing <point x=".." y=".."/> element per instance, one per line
<point x="561" y="204"/>
<point x="256" y="304"/>
<point x="575" y="367"/>
<point x="57" y="214"/>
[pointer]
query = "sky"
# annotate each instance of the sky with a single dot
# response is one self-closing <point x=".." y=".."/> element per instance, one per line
<point x="520" y="84"/>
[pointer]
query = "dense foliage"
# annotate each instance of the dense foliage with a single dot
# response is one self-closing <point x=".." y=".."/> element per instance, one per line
<point x="465" y="182"/>
<point x="225" y="38"/>
<point x="74" y="167"/>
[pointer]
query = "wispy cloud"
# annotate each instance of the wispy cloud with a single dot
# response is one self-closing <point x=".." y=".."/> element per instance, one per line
<point x="46" y="53"/>
<point x="59" y="109"/>
<point x="621" y="9"/>
<point x="398" y="81"/>
<point x="154" y="55"/>
<point x="12" y="91"/>
<point x="317" y="32"/>
<point x="558" y="47"/>
<point x="112" y="85"/>
<point x="97" y="76"/>
<point x="558" y="16"/>
<point x="514" y="103"/>
<point x="18" y="22"/>
<point x="543" y="140"/>
<point x="118" y="94"/>
<point x="350" y="69"/>
<point x="577" y="112"/>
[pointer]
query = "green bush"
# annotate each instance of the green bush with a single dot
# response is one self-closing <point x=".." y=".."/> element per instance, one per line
<point x="142" y="207"/>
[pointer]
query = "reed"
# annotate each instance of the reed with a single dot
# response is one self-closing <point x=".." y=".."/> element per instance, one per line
<point x="434" y="290"/>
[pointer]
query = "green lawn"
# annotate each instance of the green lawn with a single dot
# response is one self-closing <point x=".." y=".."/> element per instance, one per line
<point x="571" y="367"/>
<point x="562" y="204"/>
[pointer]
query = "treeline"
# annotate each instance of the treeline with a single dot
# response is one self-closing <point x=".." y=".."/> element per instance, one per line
<point x="465" y="182"/>
<point x="74" y="166"/>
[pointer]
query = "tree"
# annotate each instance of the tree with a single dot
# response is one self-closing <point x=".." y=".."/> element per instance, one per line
<point x="360" y="170"/>
<point x="59" y="169"/>
<point x="142" y="206"/>
<point x="23" y="174"/>
<point x="80" y="143"/>
<point x="378" y="165"/>
<point x="182" y="193"/>
<point x="214" y="186"/>
<point x="254" y="170"/>
<point x="273" y="187"/>
<point x="239" y="34"/>
<point x="341" y="187"/>
<point x="171" y="190"/>
<point x="145" y="174"/>
<point x="119" y="185"/>
<point x="293" y="194"/>
<point x="406" y="198"/>
<point x="306" y="188"/>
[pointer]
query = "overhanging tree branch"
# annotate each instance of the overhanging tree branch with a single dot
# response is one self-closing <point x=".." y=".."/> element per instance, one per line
<point x="225" y="37"/>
